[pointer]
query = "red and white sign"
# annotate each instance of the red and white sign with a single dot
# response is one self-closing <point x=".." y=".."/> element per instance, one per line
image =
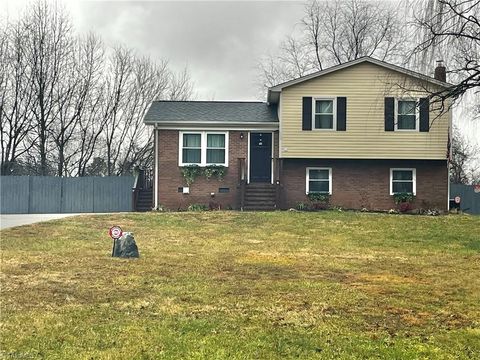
<point x="115" y="232"/>
<point x="476" y="188"/>
<point x="457" y="199"/>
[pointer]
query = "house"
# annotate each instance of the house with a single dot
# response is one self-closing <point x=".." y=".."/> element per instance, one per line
<point x="357" y="135"/>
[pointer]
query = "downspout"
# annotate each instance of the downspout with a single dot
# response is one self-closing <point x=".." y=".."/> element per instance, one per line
<point x="156" y="165"/>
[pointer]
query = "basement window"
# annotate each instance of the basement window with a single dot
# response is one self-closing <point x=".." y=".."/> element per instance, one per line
<point x="403" y="181"/>
<point x="319" y="180"/>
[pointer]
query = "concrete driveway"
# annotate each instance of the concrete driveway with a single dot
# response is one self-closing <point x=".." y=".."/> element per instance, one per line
<point x="12" y="220"/>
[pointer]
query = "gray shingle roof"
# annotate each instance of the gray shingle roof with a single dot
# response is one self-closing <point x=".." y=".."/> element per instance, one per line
<point x="211" y="111"/>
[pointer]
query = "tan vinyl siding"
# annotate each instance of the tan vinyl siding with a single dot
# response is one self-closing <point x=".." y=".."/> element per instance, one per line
<point x="365" y="85"/>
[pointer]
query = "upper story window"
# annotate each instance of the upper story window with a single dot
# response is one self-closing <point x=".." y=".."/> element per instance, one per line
<point x="319" y="180"/>
<point x="324" y="114"/>
<point x="203" y="148"/>
<point x="403" y="181"/>
<point x="406" y="115"/>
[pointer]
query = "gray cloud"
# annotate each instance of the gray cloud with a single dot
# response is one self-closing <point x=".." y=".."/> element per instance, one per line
<point x="220" y="42"/>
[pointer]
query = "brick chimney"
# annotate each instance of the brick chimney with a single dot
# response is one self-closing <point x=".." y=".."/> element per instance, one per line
<point x="440" y="71"/>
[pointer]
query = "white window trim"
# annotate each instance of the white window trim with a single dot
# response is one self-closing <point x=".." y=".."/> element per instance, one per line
<point x="414" y="179"/>
<point x="334" y="100"/>
<point x="203" y="147"/>
<point x="307" y="183"/>
<point x="417" y="115"/>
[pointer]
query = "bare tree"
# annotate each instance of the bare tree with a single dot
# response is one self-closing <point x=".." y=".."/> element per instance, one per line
<point x="334" y="32"/>
<point x="464" y="166"/>
<point x="90" y="122"/>
<point x="181" y="85"/>
<point x="313" y="26"/>
<point x="150" y="82"/>
<point x="450" y="30"/>
<point x="133" y="84"/>
<point x="16" y="96"/>
<point x="66" y="107"/>
<point x="49" y="46"/>
<point x="73" y="104"/>
<point x="116" y="97"/>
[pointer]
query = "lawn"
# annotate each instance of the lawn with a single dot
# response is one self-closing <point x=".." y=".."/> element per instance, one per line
<point x="218" y="285"/>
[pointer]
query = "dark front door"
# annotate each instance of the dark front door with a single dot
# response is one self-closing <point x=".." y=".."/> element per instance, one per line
<point x="260" y="157"/>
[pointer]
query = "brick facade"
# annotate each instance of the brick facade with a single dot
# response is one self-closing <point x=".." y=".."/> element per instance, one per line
<point x="170" y="177"/>
<point x="356" y="184"/>
<point x="360" y="184"/>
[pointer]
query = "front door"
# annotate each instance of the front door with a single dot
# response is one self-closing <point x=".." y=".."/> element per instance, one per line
<point x="260" y="157"/>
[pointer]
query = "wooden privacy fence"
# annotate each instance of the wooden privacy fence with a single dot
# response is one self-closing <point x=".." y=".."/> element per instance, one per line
<point x="49" y="194"/>
<point x="469" y="199"/>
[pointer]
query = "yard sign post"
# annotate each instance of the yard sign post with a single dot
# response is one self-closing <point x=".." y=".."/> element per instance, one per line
<point x="115" y="233"/>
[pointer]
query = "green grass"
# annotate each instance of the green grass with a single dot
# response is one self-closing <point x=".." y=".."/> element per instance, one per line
<point x="219" y="285"/>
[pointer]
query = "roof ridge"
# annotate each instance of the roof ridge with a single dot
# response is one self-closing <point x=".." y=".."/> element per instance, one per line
<point x="356" y="61"/>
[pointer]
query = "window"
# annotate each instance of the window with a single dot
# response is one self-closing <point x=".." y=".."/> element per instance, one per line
<point x="324" y="114"/>
<point x="319" y="180"/>
<point x="215" y="148"/>
<point x="406" y="115"/>
<point x="403" y="181"/>
<point x="192" y="149"/>
<point x="203" y="148"/>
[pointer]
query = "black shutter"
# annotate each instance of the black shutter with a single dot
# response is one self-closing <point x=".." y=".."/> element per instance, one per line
<point x="341" y="113"/>
<point x="307" y="114"/>
<point x="389" y="113"/>
<point x="424" y="106"/>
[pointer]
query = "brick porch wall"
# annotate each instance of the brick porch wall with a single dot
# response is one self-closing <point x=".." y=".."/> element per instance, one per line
<point x="366" y="183"/>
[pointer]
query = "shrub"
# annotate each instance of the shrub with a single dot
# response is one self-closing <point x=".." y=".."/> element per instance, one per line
<point x="301" y="206"/>
<point x="404" y="201"/>
<point x="319" y="201"/>
<point x="197" y="207"/>
<point x="403" y="198"/>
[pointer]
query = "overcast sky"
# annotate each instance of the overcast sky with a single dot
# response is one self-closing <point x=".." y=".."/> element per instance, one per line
<point x="220" y="41"/>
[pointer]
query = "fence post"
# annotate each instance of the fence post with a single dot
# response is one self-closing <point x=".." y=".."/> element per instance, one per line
<point x="29" y="194"/>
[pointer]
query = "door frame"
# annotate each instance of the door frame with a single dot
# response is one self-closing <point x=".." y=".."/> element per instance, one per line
<point x="272" y="153"/>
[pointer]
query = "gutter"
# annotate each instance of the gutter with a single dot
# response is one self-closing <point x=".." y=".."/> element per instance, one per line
<point x="209" y="124"/>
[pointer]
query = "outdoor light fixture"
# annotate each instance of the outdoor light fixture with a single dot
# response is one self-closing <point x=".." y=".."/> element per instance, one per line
<point x="241" y="136"/>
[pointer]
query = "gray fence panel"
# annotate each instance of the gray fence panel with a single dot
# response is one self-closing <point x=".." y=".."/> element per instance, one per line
<point x="470" y="200"/>
<point x="45" y="194"/>
<point x="14" y="193"/>
<point x="112" y="193"/>
<point x="77" y="195"/>
<point x="48" y="194"/>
